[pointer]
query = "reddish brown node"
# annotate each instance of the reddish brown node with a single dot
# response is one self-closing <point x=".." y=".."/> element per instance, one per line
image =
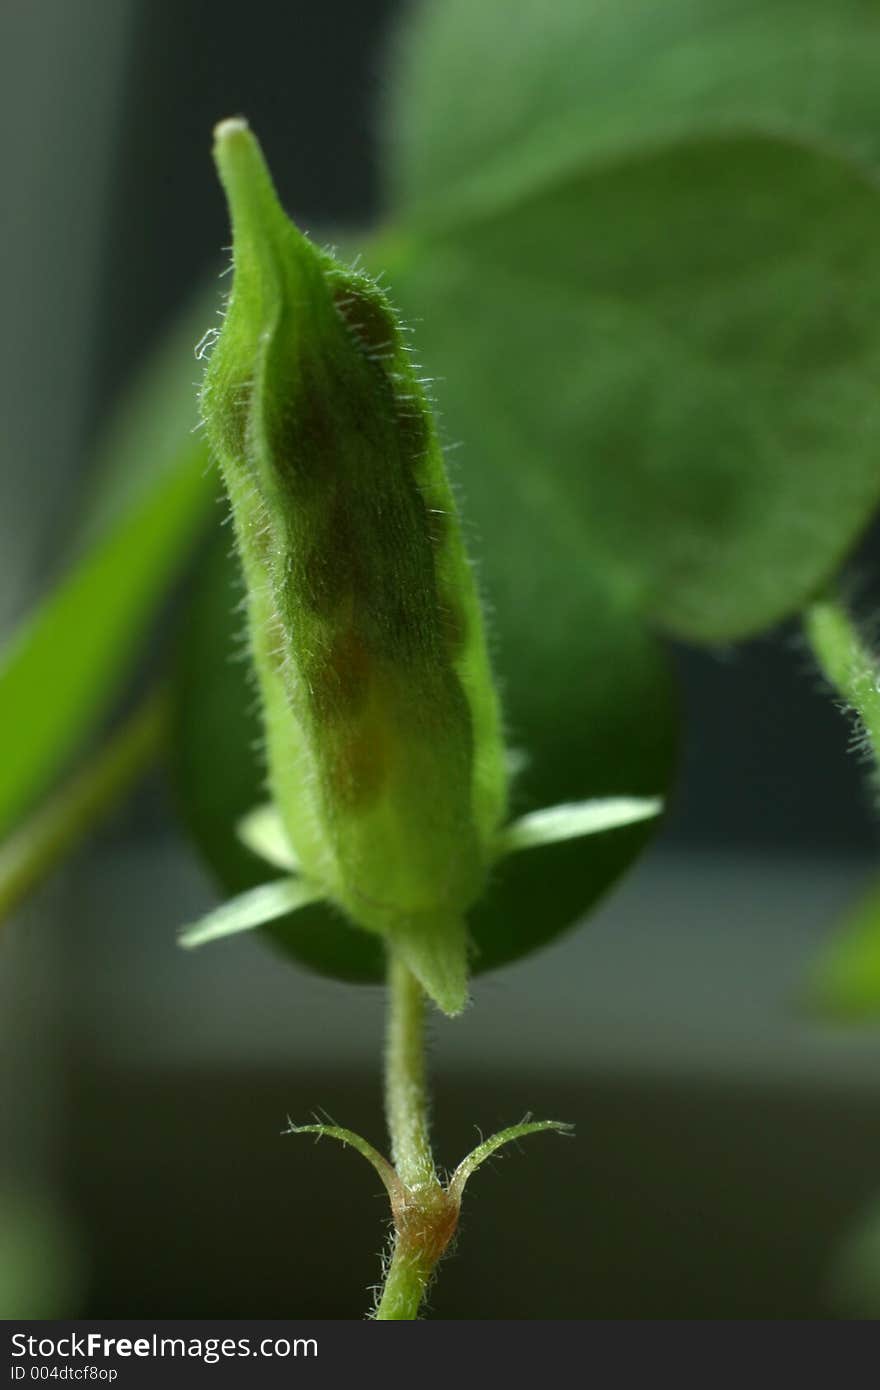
<point x="425" y="1223"/>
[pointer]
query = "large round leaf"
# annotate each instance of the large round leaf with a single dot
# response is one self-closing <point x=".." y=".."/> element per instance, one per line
<point x="490" y="103"/>
<point x="687" y="346"/>
<point x="668" y="216"/>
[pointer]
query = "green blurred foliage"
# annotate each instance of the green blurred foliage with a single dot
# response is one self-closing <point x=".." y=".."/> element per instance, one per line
<point x="490" y="103"/>
<point x="42" y="1272"/>
<point x="640" y="246"/>
<point x="844" y="982"/>
<point x="853" y="1281"/>
<point x="61" y="669"/>
<point x="691" y="360"/>
<point x="667" y="215"/>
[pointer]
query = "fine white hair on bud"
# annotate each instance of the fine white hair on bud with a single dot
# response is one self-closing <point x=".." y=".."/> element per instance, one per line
<point x="383" y="734"/>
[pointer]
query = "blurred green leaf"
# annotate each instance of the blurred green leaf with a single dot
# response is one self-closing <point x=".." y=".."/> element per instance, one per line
<point x="252" y="909"/>
<point x="586" y="690"/>
<point x="42" y="1260"/>
<point x="684" y="347"/>
<point x="491" y="103"/>
<point x="573" y="820"/>
<point x="142" y="511"/>
<point x="46" y="835"/>
<point x="853" y="1278"/>
<point x="59" y="671"/>
<point x="262" y="831"/>
<point x="149" y="434"/>
<point x="844" y="982"/>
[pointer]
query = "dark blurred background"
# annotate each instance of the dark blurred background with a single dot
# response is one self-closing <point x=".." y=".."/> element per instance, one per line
<point x="726" y="1142"/>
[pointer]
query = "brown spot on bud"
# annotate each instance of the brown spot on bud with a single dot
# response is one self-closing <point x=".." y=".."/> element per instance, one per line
<point x="358" y="766"/>
<point x="339" y="682"/>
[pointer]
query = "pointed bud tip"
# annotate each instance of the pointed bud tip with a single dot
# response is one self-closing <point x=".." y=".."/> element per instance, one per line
<point x="247" y="183"/>
<point x="228" y="129"/>
<point x="234" y="145"/>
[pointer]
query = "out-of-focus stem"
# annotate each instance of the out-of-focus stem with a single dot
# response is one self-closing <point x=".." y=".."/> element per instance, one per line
<point x="846" y="662"/>
<point x="71" y="812"/>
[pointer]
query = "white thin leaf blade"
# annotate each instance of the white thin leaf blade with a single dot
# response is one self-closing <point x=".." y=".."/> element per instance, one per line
<point x="573" y="819"/>
<point x="262" y="832"/>
<point x="252" y="909"/>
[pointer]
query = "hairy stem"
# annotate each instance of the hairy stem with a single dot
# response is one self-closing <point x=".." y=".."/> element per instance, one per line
<point x="847" y="662"/>
<point x="406" y="1280"/>
<point x="424" y="1215"/>
<point x="406" y="1097"/>
<point x="57" y="826"/>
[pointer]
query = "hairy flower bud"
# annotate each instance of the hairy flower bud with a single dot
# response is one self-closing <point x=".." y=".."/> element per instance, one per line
<point x="384" y="750"/>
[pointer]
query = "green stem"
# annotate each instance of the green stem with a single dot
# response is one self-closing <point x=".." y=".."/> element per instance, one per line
<point x="33" y="850"/>
<point x="425" y="1212"/>
<point x="406" y="1280"/>
<point x="846" y="662"/>
<point x="406" y="1097"/>
<point x="424" y="1217"/>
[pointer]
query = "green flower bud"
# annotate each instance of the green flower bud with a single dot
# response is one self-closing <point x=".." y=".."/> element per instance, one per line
<point x="385" y="756"/>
